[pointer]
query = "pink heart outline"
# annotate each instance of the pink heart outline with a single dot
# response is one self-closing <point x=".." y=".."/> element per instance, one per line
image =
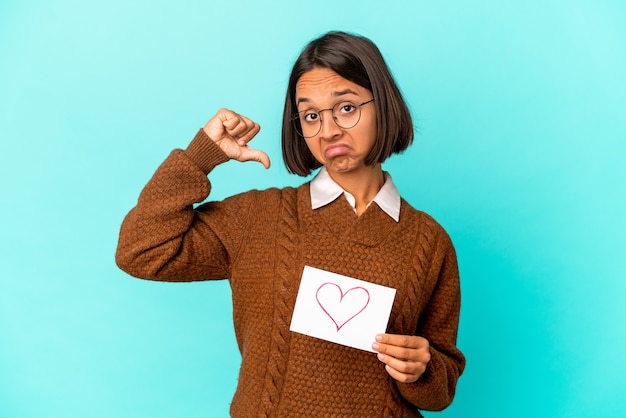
<point x="340" y="300"/>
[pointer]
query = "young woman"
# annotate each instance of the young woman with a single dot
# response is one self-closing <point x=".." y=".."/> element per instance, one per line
<point x="343" y="113"/>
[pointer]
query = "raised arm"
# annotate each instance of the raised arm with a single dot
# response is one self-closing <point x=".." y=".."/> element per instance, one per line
<point x="163" y="237"/>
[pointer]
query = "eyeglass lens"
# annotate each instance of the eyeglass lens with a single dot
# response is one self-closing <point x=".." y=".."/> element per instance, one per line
<point x="346" y="115"/>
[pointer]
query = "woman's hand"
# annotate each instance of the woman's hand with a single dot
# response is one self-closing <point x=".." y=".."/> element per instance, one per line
<point x="405" y="356"/>
<point x="232" y="132"/>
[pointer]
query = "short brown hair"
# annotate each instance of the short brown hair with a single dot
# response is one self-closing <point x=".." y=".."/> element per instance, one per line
<point x="358" y="60"/>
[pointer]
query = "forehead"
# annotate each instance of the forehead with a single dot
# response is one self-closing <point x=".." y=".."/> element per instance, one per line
<point x="322" y="83"/>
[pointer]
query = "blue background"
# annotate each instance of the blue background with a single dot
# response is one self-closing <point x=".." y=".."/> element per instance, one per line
<point x="521" y="108"/>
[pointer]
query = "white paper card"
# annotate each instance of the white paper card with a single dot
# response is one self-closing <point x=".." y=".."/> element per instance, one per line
<point x="341" y="309"/>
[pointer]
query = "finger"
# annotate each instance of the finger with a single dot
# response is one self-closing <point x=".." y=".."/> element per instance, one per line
<point x="249" y="123"/>
<point x="408" y="341"/>
<point x="403" y="366"/>
<point x="235" y="127"/>
<point x="247" y="137"/>
<point x="402" y="377"/>
<point x="238" y="126"/>
<point x="401" y="353"/>
<point x="227" y="117"/>
<point x="405" y="354"/>
<point x="403" y="371"/>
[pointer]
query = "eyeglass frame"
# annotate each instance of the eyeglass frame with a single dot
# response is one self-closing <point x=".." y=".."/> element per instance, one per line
<point x="296" y="119"/>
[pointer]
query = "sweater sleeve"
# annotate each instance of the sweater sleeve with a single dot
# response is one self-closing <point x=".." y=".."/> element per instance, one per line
<point x="438" y="323"/>
<point x="164" y="238"/>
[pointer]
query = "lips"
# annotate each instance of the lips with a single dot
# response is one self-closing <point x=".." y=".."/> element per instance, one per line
<point x="336" y="150"/>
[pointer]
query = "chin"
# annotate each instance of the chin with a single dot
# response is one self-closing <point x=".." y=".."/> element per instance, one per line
<point x="340" y="168"/>
<point x="340" y="165"/>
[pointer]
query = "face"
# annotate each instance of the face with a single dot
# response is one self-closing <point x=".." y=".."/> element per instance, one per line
<point x="340" y="150"/>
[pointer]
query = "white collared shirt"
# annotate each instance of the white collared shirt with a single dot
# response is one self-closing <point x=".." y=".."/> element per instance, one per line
<point x="324" y="190"/>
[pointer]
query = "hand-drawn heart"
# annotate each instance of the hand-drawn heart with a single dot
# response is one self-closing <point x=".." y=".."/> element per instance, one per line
<point x="341" y="307"/>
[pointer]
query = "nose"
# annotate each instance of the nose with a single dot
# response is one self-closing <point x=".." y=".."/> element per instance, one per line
<point x="329" y="129"/>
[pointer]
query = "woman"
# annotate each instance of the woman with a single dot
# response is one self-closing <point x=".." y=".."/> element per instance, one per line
<point x="343" y="113"/>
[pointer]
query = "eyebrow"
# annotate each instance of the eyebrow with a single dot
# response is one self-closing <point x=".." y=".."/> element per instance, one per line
<point x="334" y="94"/>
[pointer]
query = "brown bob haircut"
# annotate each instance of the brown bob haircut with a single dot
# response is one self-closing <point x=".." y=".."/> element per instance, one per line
<point x="358" y="60"/>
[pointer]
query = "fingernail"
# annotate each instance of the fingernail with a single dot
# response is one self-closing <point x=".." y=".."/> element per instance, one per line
<point x="380" y="356"/>
<point x="379" y="337"/>
<point x="375" y="346"/>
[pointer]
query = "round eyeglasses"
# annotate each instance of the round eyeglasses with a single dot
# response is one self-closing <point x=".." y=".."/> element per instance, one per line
<point x="346" y="115"/>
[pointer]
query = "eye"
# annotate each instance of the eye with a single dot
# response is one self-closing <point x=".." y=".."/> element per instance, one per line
<point x="309" y="116"/>
<point x="346" y="108"/>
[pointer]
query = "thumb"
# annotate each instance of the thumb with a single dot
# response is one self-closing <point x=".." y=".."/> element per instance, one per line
<point x="251" y="154"/>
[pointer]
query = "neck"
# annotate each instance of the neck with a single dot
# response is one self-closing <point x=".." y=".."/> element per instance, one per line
<point x="363" y="184"/>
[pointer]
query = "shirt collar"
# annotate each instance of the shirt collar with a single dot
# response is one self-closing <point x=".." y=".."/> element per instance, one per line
<point x="324" y="190"/>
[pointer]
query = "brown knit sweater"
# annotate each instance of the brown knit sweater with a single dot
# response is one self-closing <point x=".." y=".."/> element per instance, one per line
<point x="260" y="241"/>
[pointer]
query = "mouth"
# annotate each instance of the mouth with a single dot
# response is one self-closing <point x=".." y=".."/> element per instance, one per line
<point x="336" y="150"/>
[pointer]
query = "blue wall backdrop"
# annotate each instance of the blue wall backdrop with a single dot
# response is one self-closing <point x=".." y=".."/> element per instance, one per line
<point x="521" y="109"/>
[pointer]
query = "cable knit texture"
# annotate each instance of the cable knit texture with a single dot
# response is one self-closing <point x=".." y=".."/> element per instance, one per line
<point x="260" y="241"/>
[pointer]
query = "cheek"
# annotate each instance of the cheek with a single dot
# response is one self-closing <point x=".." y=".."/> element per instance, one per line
<point x="374" y="126"/>
<point x="368" y="123"/>
<point x="370" y="132"/>
<point x="314" y="147"/>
